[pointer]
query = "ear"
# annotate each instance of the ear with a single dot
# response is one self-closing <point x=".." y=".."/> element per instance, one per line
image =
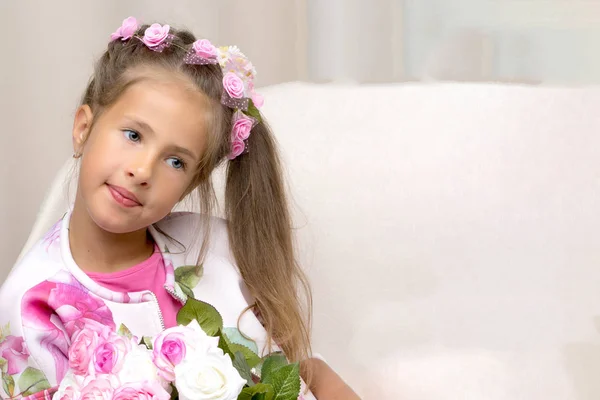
<point x="81" y="127"/>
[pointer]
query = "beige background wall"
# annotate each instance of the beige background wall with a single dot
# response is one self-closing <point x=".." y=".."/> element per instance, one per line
<point x="47" y="55"/>
<point x="49" y="46"/>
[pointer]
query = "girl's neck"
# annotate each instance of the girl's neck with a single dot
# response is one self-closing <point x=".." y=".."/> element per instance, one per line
<point x="96" y="250"/>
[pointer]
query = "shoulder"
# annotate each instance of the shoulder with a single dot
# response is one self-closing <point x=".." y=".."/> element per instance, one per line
<point x="185" y="231"/>
<point x="40" y="263"/>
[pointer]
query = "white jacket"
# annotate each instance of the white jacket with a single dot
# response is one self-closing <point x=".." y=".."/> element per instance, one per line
<point x="47" y="297"/>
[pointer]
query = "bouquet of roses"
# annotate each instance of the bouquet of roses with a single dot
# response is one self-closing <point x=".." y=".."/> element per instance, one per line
<point x="193" y="361"/>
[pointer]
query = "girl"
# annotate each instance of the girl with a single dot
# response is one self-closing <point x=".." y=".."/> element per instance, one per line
<point x="160" y="113"/>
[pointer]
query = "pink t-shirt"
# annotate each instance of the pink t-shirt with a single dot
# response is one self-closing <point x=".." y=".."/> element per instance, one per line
<point x="147" y="275"/>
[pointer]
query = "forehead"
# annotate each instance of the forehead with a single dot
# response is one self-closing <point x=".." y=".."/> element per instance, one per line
<point x="169" y="105"/>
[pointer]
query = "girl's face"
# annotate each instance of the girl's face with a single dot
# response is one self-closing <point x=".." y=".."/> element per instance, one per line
<point x="140" y="157"/>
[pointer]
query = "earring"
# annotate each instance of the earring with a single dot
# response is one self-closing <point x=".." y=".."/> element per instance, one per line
<point x="76" y="155"/>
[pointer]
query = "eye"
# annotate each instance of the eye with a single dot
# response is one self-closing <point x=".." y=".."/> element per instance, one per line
<point x="131" y="135"/>
<point x="176" y="163"/>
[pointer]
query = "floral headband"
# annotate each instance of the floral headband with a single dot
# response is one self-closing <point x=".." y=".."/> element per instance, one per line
<point x="238" y="76"/>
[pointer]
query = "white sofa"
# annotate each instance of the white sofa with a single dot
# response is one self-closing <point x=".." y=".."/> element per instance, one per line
<point x="451" y="234"/>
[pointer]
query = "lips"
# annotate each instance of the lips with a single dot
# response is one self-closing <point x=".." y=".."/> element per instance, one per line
<point x="123" y="196"/>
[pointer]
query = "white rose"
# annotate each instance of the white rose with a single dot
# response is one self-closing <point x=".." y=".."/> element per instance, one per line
<point x="208" y="376"/>
<point x="138" y="366"/>
<point x="197" y="340"/>
<point x="69" y="389"/>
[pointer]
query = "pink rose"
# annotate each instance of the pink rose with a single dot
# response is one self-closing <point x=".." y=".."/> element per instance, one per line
<point x="237" y="148"/>
<point x="14" y="351"/>
<point x="109" y="355"/>
<point x="76" y="307"/>
<point x="168" y="350"/>
<point x="126" y="30"/>
<point x="155" y="35"/>
<point x="82" y="350"/>
<point x="204" y="48"/>
<point x="234" y="86"/>
<point x="242" y="127"/>
<point x="141" y="391"/>
<point x="101" y="388"/>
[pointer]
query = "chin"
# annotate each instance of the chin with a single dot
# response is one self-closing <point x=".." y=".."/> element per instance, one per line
<point x="116" y="222"/>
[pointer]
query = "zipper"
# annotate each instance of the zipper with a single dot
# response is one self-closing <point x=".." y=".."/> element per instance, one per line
<point x="160" y="315"/>
<point x="172" y="293"/>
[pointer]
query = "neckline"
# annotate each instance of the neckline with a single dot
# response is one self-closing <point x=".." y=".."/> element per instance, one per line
<point x="105" y="293"/>
<point x="148" y="262"/>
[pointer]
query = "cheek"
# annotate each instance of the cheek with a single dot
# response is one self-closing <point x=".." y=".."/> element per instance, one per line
<point x="173" y="187"/>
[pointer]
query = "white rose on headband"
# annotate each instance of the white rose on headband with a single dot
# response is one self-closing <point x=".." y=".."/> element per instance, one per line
<point x="155" y="35"/>
<point x="234" y="86"/>
<point x="208" y="375"/>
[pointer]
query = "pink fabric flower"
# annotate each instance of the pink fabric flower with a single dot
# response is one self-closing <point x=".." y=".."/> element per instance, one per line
<point x="155" y="34"/>
<point x="141" y="391"/>
<point x="109" y="355"/>
<point x="234" y="86"/>
<point x="237" y="148"/>
<point x="126" y="30"/>
<point x="82" y="350"/>
<point x="101" y="388"/>
<point x="14" y="351"/>
<point x="204" y="48"/>
<point x="242" y="126"/>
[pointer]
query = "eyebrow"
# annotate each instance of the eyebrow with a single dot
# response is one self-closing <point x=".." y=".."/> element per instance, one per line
<point x="145" y="127"/>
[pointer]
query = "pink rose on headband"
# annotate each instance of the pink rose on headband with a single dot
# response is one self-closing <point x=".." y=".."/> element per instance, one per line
<point x="126" y="30"/>
<point x="155" y="34"/>
<point x="234" y="86"/>
<point x="237" y="147"/>
<point x="204" y="48"/>
<point x="242" y="126"/>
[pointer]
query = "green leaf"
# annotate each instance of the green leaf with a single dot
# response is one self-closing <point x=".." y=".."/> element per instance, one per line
<point x="147" y="341"/>
<point x="207" y="316"/>
<point x="239" y="362"/>
<point x="3" y="364"/>
<point x="224" y="345"/>
<point x="251" y="358"/>
<point x="235" y="336"/>
<point x="260" y="391"/>
<point x="8" y="384"/>
<point x="285" y="382"/>
<point x="4" y="331"/>
<point x="186" y="290"/>
<point x="189" y="275"/>
<point x="253" y="111"/>
<point x="271" y="363"/>
<point x="124" y="331"/>
<point x="32" y="381"/>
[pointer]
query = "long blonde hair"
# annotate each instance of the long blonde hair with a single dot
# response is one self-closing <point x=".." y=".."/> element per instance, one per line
<point x="256" y="206"/>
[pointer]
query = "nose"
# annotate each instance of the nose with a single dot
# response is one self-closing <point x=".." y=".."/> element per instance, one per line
<point x="139" y="170"/>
